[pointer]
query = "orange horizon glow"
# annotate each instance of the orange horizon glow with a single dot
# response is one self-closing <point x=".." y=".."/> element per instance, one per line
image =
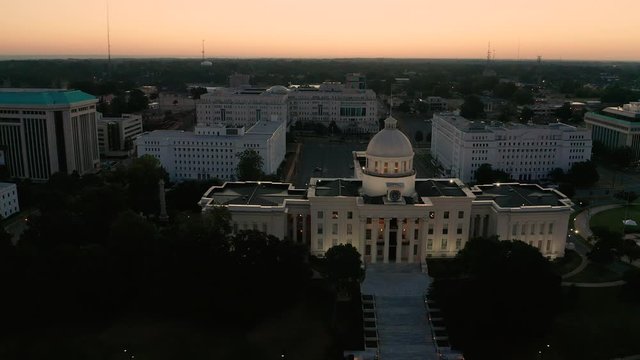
<point x="568" y="29"/>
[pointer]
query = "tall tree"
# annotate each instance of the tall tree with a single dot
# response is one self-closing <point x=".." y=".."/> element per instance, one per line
<point x="472" y="108"/>
<point x="250" y="166"/>
<point x="143" y="176"/>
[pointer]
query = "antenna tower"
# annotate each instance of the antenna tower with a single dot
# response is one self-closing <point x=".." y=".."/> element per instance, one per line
<point x="108" y="40"/>
<point x="202" y="50"/>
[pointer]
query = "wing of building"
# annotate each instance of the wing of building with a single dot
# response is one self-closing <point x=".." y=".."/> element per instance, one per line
<point x="389" y="215"/>
<point x="616" y="126"/>
<point x="527" y="152"/>
<point x="44" y="131"/>
<point x="212" y="151"/>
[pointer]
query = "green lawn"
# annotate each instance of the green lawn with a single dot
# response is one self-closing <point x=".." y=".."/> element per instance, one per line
<point x="597" y="324"/>
<point x="595" y="273"/>
<point x="612" y="219"/>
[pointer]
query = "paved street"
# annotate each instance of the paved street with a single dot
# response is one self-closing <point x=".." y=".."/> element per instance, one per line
<point x="403" y="328"/>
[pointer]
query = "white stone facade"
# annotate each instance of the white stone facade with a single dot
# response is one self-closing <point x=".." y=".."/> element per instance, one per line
<point x="353" y="110"/>
<point x="392" y="216"/>
<point x="8" y="199"/>
<point x="212" y="151"/>
<point x="527" y="152"/>
<point x="616" y="126"/>
<point x="44" y="131"/>
<point x="116" y="134"/>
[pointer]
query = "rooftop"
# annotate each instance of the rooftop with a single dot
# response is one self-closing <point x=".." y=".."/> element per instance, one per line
<point x="518" y="195"/>
<point x="43" y="97"/>
<point x="257" y="193"/>
<point x="476" y="126"/>
<point x="338" y="187"/>
<point x="436" y="188"/>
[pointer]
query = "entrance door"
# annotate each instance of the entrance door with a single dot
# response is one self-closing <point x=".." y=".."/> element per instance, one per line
<point x="393" y="243"/>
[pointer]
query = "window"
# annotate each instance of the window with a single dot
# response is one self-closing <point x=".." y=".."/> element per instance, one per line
<point x="319" y="245"/>
<point x="542" y="229"/>
<point x="548" y="245"/>
<point x="235" y="227"/>
<point x="460" y="214"/>
<point x="367" y="250"/>
<point x="264" y="227"/>
<point x="367" y="234"/>
<point x="458" y="244"/>
<point x="514" y="230"/>
<point x="320" y="215"/>
<point x="349" y="214"/>
<point x="446" y="214"/>
<point x="415" y="233"/>
<point x="533" y="229"/>
<point x="334" y="215"/>
<point x="429" y="244"/>
<point x="430" y="229"/>
<point x="523" y="231"/>
<point x="459" y="229"/>
<point x="443" y="244"/>
<point x="432" y="214"/>
<point x="368" y="220"/>
<point x="320" y="229"/>
<point x="540" y="245"/>
<point x="550" y="228"/>
<point x="334" y="229"/>
<point x="349" y="229"/>
<point x="445" y="229"/>
<point x="334" y="242"/>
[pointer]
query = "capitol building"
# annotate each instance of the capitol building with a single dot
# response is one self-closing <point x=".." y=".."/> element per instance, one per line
<point x="389" y="215"/>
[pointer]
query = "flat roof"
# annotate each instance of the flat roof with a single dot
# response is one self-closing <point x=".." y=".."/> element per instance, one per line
<point x="518" y="195"/>
<point x="43" y="96"/>
<point x="338" y="187"/>
<point x="259" y="193"/>
<point x="436" y="188"/>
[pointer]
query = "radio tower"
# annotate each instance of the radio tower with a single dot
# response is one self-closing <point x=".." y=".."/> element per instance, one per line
<point x="489" y="53"/>
<point x="202" y="50"/>
<point x="108" y="42"/>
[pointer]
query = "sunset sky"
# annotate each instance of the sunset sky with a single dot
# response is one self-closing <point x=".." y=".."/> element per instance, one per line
<point x="553" y="29"/>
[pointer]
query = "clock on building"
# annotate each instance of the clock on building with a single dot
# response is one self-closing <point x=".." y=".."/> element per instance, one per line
<point x="394" y="195"/>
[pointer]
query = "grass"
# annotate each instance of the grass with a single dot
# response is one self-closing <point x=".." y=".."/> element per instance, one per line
<point x="595" y="273"/>
<point x="597" y="324"/>
<point x="612" y="219"/>
<point x="570" y="261"/>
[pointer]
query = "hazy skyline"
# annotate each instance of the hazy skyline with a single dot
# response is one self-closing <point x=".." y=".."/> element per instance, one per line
<point x="570" y="29"/>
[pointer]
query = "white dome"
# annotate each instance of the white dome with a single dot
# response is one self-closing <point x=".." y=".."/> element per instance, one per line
<point x="390" y="142"/>
<point x="278" y="89"/>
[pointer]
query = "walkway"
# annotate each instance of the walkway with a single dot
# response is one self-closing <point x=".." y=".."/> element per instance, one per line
<point x="581" y="222"/>
<point x="404" y="332"/>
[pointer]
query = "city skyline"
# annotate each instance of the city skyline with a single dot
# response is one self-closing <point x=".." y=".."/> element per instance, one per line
<point x="572" y="30"/>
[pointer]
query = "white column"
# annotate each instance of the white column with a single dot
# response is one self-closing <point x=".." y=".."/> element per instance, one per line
<point x="386" y="241"/>
<point x="399" y="242"/>
<point x="304" y="229"/>
<point x="362" y="242"/>
<point x="411" y="226"/>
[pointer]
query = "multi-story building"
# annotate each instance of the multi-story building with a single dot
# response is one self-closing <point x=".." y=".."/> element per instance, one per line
<point x="212" y="151"/>
<point x="242" y="107"/>
<point x="8" y="199"/>
<point x="352" y="110"/>
<point x="116" y="134"/>
<point x="355" y="81"/>
<point x="389" y="215"/>
<point x="44" y="131"/>
<point x="616" y="126"/>
<point x="527" y="152"/>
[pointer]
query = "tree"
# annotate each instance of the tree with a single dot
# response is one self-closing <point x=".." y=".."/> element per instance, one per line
<point x="564" y="112"/>
<point x="556" y="175"/>
<point x="485" y="174"/>
<point x="419" y="136"/>
<point x="343" y="263"/>
<point x="622" y="156"/>
<point x="250" y="166"/>
<point x="472" y="108"/>
<point x="197" y="91"/>
<point x="628" y="196"/>
<point x="516" y="292"/>
<point x="142" y="177"/>
<point x="523" y="97"/>
<point x="526" y="114"/>
<point x="583" y="174"/>
<point x="333" y="128"/>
